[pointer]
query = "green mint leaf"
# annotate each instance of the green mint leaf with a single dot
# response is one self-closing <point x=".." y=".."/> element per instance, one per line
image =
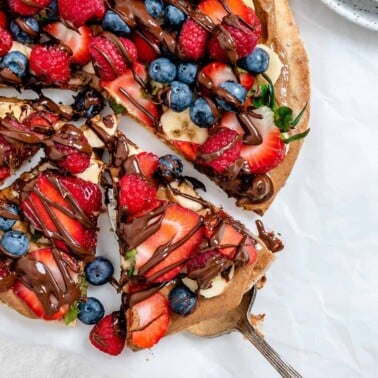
<point x="130" y="255"/>
<point x="299" y="117"/>
<point x="36" y="236"/>
<point x="263" y="96"/>
<point x="117" y="108"/>
<point x="72" y="313"/>
<point x="272" y="96"/>
<point x="130" y="271"/>
<point x="283" y="116"/>
<point x="83" y="285"/>
<point x="295" y="137"/>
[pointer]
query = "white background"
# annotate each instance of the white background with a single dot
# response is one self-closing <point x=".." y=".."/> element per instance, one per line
<point x="321" y="297"/>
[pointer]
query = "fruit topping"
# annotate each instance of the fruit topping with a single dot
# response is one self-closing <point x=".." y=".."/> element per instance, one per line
<point x="154" y="7"/>
<point x="6" y="41"/>
<point x="41" y="122"/>
<point x="257" y="62"/>
<point x="192" y="42"/>
<point x="106" y="336"/>
<point x="14" y="243"/>
<point x="182" y="301"/>
<point x="50" y="64"/>
<point x="201" y="113"/>
<point x="162" y="256"/>
<point x="3" y="19"/>
<point x="147" y="46"/>
<point x="162" y="70"/>
<point x="234" y="98"/>
<point x="178" y="97"/>
<point x="99" y="271"/>
<point x="170" y="168"/>
<point x="27" y="8"/>
<point x="14" y="66"/>
<point x="148" y="163"/>
<point x="88" y="103"/>
<point x="136" y="194"/>
<point x="221" y="150"/>
<point x="91" y="311"/>
<point x="173" y="16"/>
<point x="8" y="221"/>
<point x="79" y="12"/>
<point x="187" y="72"/>
<point x="147" y="321"/>
<point x="64" y="209"/>
<point x="114" y="23"/>
<point x="77" y="41"/>
<point x="25" y="30"/>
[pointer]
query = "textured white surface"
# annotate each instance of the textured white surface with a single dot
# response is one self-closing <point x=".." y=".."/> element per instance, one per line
<point x="321" y="297"/>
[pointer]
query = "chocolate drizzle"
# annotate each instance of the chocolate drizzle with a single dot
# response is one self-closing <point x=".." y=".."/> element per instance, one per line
<point x="269" y="238"/>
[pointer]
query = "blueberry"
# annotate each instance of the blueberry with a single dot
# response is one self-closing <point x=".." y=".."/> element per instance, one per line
<point x="179" y="97"/>
<point x="162" y="70"/>
<point x="256" y="62"/>
<point x="91" y="311"/>
<point x="50" y="13"/>
<point x="88" y="103"/>
<point x="114" y="23"/>
<point x="5" y="223"/>
<point x="15" y="243"/>
<point x="99" y="271"/>
<point x="22" y="36"/>
<point x="174" y="16"/>
<point x="236" y="90"/>
<point x="154" y="7"/>
<point x="16" y="62"/>
<point x="201" y="113"/>
<point x="187" y="72"/>
<point x="182" y="300"/>
<point x="170" y="167"/>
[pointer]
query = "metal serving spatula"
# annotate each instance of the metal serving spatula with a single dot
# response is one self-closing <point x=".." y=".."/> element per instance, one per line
<point x="238" y="319"/>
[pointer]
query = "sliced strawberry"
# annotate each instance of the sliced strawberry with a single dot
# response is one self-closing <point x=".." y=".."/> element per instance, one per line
<point x="76" y="40"/>
<point x="247" y="80"/>
<point x="106" y="335"/>
<point x="267" y="155"/>
<point x="176" y="226"/>
<point x="126" y="91"/>
<point x="146" y="53"/>
<point x="188" y="149"/>
<point x="4" y="173"/>
<point x="41" y="122"/>
<point x="3" y="19"/>
<point x="230" y="120"/>
<point x="67" y="231"/>
<point x="218" y="73"/>
<point x="148" y="321"/>
<point x="29" y="297"/>
<point x="148" y="163"/>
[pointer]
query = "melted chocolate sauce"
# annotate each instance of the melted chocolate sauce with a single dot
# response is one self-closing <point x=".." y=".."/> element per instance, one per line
<point x="269" y="238"/>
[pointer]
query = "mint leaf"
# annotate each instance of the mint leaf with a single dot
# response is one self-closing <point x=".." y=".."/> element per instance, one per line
<point x="261" y="96"/>
<point x="130" y="255"/>
<point x="117" y="108"/>
<point x="299" y="117"/>
<point x="36" y="236"/>
<point x="72" y="313"/>
<point x="283" y="117"/>
<point x="83" y="285"/>
<point x="295" y="137"/>
<point x="130" y="271"/>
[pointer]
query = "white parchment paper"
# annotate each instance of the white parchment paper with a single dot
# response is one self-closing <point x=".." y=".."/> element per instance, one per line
<point x="321" y="297"/>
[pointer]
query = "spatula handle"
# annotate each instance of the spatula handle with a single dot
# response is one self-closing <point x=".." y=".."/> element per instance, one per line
<point x="283" y="368"/>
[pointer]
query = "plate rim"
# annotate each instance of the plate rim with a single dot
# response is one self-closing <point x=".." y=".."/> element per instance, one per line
<point x="343" y="10"/>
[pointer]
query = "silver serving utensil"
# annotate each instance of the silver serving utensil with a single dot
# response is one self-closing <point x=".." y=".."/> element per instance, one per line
<point x="238" y="319"/>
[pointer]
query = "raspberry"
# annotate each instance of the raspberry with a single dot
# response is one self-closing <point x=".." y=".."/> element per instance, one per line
<point x="50" y="63"/>
<point x="21" y="7"/>
<point x="3" y="19"/>
<point x="74" y="160"/>
<point x="148" y="163"/>
<point x="226" y="139"/>
<point x="103" y="50"/>
<point x="5" y="41"/>
<point x="130" y="48"/>
<point x="245" y="40"/>
<point x="79" y="12"/>
<point x="136" y="194"/>
<point x="200" y="260"/>
<point x="192" y="40"/>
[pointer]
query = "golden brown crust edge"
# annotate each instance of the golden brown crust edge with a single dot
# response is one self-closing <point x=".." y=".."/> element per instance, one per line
<point x="293" y="87"/>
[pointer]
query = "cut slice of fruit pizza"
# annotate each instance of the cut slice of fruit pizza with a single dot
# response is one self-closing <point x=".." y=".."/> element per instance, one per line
<point x="223" y="82"/>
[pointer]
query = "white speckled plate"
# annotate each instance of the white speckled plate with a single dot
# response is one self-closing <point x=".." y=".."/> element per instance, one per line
<point x="362" y="12"/>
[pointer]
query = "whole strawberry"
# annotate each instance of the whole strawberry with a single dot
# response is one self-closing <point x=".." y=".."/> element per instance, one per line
<point x="106" y="335"/>
<point x="109" y="61"/>
<point x="50" y="64"/>
<point x="6" y="41"/>
<point x="27" y="8"/>
<point x="79" y="12"/>
<point x="192" y="40"/>
<point x="220" y="150"/>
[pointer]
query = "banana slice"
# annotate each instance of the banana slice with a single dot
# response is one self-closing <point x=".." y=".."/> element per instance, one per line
<point x="275" y="66"/>
<point x="186" y="202"/>
<point x="179" y="126"/>
<point x="19" y="109"/>
<point x="98" y="120"/>
<point x="249" y="3"/>
<point x="93" y="172"/>
<point x="17" y="46"/>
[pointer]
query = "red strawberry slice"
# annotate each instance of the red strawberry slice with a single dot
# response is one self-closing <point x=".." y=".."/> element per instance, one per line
<point x="106" y="336"/>
<point x="247" y="80"/>
<point x="188" y="149"/>
<point x="267" y="155"/>
<point x="127" y="92"/>
<point x="143" y="44"/>
<point x="148" y="321"/>
<point x="4" y="173"/>
<point x="3" y="19"/>
<point x="41" y="122"/>
<point x="78" y="41"/>
<point x="177" y="224"/>
<point x="30" y="298"/>
<point x="230" y="120"/>
<point x="218" y="73"/>
<point x="50" y="211"/>
<point x="148" y="163"/>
